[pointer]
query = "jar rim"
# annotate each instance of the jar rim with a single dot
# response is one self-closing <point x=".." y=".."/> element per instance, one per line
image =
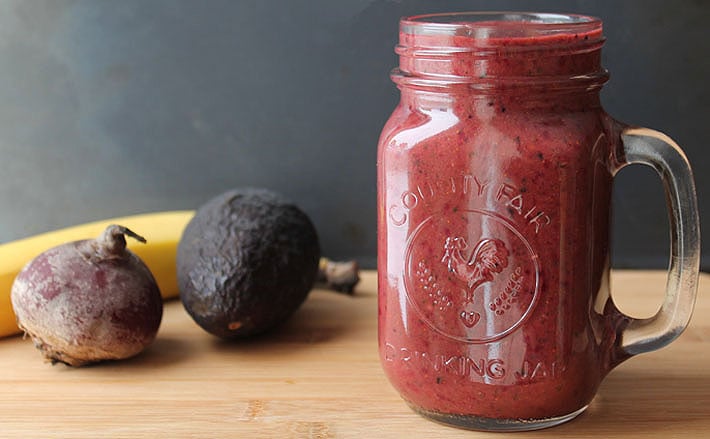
<point x="498" y="24"/>
<point x="494" y="50"/>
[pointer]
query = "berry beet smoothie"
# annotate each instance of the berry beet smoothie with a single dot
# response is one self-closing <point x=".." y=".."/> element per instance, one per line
<point x="493" y="189"/>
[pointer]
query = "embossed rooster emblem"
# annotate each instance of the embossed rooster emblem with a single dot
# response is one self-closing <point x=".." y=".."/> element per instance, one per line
<point x="488" y="258"/>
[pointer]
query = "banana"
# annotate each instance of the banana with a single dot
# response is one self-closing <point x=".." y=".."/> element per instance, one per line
<point x="162" y="230"/>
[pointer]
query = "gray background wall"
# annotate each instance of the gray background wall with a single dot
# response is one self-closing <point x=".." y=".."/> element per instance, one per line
<point x="111" y="108"/>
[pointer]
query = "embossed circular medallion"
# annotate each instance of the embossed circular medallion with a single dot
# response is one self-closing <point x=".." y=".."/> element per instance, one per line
<point x="471" y="275"/>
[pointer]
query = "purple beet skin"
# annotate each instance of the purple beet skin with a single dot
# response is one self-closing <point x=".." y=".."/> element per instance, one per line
<point x="88" y="301"/>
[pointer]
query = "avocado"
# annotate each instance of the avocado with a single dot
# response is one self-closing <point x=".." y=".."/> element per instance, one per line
<point x="246" y="261"/>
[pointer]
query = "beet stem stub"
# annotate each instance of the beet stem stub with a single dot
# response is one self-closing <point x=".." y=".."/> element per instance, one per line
<point x="112" y="241"/>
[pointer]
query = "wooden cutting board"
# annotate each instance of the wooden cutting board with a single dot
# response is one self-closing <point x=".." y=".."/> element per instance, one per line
<point x="319" y="377"/>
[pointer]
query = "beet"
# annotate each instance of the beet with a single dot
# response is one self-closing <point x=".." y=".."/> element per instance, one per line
<point x="88" y="301"/>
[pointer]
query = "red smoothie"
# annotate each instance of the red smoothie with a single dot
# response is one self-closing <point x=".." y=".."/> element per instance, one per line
<point x="494" y="181"/>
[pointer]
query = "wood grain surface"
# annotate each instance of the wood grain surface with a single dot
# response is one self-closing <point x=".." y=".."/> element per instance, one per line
<point x="319" y="376"/>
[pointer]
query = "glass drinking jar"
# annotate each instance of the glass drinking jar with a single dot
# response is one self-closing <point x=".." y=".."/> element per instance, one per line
<point x="494" y="189"/>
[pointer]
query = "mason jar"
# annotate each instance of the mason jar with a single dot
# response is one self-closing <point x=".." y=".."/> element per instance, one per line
<point x="494" y="191"/>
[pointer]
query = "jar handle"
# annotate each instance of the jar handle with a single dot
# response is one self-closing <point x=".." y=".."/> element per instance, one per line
<point x="655" y="149"/>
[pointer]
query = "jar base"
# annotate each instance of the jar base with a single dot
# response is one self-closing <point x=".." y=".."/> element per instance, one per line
<point x="496" y="424"/>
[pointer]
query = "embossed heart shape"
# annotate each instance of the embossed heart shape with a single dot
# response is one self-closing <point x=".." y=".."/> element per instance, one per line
<point x="470" y="318"/>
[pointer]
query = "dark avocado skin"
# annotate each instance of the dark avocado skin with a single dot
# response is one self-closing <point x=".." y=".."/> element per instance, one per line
<point x="246" y="261"/>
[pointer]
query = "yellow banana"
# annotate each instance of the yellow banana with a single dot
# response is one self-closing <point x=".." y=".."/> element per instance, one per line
<point x="162" y="230"/>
